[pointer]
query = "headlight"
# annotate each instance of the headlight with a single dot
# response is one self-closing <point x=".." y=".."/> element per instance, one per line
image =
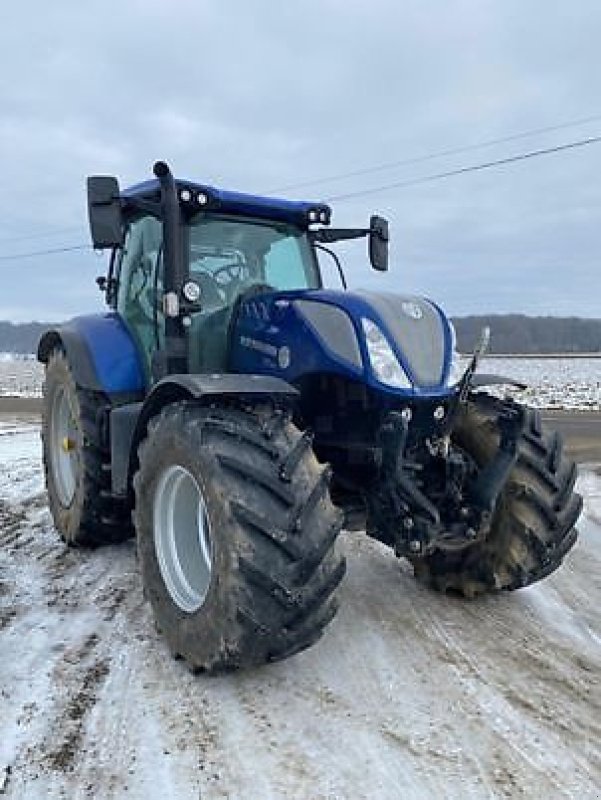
<point x="383" y="361"/>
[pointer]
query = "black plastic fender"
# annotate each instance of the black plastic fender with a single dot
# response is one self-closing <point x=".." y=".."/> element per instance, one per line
<point x="484" y="379"/>
<point x="129" y="422"/>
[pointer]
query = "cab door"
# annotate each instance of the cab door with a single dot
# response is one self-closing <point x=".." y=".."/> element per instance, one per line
<point x="140" y="286"/>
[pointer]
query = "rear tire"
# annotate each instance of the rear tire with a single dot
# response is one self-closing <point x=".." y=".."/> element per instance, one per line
<point x="533" y="524"/>
<point x="76" y="466"/>
<point x="246" y="488"/>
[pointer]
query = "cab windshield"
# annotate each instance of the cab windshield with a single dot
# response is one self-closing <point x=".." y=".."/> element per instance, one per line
<point x="228" y="256"/>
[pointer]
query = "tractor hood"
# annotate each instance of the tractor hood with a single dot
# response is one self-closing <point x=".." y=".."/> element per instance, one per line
<point x="293" y="334"/>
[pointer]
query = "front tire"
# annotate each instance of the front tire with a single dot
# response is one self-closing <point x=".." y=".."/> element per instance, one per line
<point x="236" y="536"/>
<point x="533" y="523"/>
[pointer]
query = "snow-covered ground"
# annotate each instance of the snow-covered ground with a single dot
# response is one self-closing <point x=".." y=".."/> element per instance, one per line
<point x="408" y="695"/>
<point x="554" y="383"/>
<point x="20" y="376"/>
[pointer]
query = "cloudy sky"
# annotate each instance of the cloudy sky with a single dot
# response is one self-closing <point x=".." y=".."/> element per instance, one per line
<point x="258" y="94"/>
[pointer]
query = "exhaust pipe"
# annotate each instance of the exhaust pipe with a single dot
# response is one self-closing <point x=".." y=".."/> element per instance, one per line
<point x="174" y="358"/>
<point x="173" y="257"/>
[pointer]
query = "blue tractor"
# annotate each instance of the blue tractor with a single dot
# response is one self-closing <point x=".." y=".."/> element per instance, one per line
<point x="237" y="416"/>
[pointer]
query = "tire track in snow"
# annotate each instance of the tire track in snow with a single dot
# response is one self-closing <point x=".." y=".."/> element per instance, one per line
<point x="539" y="689"/>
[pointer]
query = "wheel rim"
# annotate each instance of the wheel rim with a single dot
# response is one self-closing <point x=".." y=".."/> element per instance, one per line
<point x="64" y="457"/>
<point x="182" y="538"/>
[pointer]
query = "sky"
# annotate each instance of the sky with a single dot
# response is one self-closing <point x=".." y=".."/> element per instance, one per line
<point x="261" y="95"/>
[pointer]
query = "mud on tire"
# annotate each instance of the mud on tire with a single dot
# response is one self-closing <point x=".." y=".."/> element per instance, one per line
<point x="86" y="515"/>
<point x="273" y="529"/>
<point x="533" y="525"/>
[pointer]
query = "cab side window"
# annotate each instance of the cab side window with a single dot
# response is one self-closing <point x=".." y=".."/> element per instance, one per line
<point x="288" y="267"/>
<point x="139" y="290"/>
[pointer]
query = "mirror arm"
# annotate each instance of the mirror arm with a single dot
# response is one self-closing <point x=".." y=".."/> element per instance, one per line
<point x="331" y="235"/>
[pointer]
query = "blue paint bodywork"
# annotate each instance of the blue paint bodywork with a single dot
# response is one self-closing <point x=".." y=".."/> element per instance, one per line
<point x="267" y="323"/>
<point x="237" y="203"/>
<point x="112" y="351"/>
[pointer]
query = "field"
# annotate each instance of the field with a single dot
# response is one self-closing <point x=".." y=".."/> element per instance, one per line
<point x="554" y="383"/>
<point x="20" y="377"/>
<point x="408" y="695"/>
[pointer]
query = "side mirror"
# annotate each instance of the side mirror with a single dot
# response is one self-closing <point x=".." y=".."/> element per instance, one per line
<point x="378" y="243"/>
<point x="104" y="211"/>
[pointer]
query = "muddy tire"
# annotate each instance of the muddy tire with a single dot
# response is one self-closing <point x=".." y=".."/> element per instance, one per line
<point x="77" y="467"/>
<point x="236" y="536"/>
<point x="533" y="524"/>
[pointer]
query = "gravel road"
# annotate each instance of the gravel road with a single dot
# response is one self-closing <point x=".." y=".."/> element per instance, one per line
<point x="408" y="695"/>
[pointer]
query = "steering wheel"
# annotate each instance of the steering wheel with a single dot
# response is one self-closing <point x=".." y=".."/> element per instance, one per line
<point x="234" y="272"/>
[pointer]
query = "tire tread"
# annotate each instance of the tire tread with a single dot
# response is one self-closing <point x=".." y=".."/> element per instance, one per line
<point x="286" y="571"/>
<point x="533" y="527"/>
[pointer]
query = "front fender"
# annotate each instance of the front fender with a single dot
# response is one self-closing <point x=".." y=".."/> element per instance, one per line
<point x="129" y="423"/>
<point x="101" y="352"/>
<point x="212" y="387"/>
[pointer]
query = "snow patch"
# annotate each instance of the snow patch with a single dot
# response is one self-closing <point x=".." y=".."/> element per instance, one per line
<point x="20" y="376"/>
<point x="552" y="383"/>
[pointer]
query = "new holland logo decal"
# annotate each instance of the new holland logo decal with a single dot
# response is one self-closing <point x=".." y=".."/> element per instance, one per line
<point x="412" y="310"/>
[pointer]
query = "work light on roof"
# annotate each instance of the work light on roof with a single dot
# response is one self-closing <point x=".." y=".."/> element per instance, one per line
<point x="185" y="195"/>
<point x="202" y="199"/>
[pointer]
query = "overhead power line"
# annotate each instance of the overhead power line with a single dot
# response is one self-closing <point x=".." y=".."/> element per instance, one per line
<point x="464" y="170"/>
<point x="18" y="256"/>
<point x="436" y="154"/>
<point x="26" y="237"/>
<point x="383" y="187"/>
<point x="364" y="171"/>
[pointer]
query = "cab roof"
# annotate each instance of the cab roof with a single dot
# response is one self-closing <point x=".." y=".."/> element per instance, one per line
<point x="201" y="197"/>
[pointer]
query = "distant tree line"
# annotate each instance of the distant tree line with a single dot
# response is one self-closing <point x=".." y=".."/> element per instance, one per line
<point x="20" y="338"/>
<point x="510" y="333"/>
<point x="516" y="333"/>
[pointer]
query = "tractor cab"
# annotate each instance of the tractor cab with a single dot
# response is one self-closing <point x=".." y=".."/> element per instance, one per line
<point x="185" y="255"/>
